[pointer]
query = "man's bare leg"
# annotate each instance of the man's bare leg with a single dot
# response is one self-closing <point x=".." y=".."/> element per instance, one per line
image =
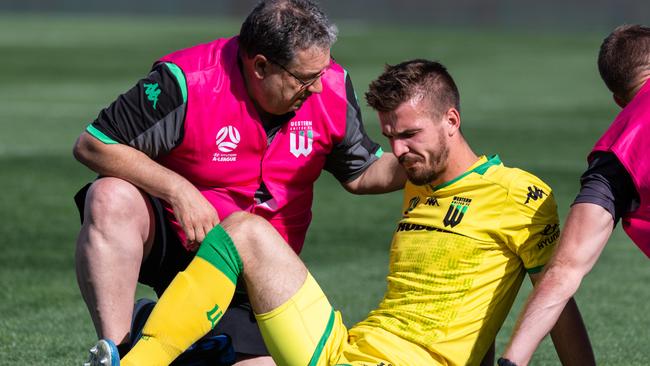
<point x="117" y="233"/>
<point x="272" y="270"/>
<point x="243" y="245"/>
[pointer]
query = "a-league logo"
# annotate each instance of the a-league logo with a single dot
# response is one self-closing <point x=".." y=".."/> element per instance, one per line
<point x="300" y="142"/>
<point x="227" y="139"/>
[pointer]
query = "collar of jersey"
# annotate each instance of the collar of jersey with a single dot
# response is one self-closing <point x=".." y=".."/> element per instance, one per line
<point x="480" y="167"/>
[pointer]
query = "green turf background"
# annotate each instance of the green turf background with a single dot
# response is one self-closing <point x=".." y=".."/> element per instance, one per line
<point x="533" y="97"/>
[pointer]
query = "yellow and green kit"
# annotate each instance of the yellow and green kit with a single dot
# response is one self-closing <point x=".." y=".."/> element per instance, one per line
<point x="457" y="260"/>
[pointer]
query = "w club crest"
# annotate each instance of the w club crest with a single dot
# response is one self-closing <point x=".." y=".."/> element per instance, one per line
<point x="456" y="212"/>
<point x="300" y="142"/>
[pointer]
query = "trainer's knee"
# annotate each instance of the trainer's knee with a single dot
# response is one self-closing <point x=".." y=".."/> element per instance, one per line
<point x="113" y="202"/>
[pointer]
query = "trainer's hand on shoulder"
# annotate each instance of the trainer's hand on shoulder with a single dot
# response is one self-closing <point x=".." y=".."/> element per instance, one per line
<point x="194" y="213"/>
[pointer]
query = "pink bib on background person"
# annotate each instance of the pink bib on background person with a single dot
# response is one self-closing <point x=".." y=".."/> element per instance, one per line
<point x="628" y="138"/>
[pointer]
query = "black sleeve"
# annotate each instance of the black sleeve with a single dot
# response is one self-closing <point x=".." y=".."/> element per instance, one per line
<point x="354" y="154"/>
<point x="148" y="117"/>
<point x="606" y="183"/>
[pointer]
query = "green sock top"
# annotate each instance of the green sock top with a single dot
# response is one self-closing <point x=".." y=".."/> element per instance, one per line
<point x="218" y="249"/>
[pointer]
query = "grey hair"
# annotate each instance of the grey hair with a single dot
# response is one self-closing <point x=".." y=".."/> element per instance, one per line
<point x="279" y="28"/>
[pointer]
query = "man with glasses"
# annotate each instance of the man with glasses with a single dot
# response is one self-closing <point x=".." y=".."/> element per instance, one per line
<point x="305" y="82"/>
<point x="239" y="124"/>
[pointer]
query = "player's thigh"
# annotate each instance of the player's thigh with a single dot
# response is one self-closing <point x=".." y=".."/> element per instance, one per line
<point x="305" y="330"/>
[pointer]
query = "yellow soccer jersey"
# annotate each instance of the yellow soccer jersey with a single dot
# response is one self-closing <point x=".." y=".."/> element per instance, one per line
<point x="459" y="255"/>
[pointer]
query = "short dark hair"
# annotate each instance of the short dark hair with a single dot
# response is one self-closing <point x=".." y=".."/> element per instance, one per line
<point x="401" y="82"/>
<point x="623" y="55"/>
<point x="279" y="28"/>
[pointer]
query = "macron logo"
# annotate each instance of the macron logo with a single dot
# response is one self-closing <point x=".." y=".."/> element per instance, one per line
<point x="227" y="139"/>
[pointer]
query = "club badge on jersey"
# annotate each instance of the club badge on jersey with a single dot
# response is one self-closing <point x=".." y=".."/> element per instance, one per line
<point x="301" y="138"/>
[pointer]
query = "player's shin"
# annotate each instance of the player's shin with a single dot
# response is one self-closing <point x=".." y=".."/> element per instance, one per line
<point x="192" y="304"/>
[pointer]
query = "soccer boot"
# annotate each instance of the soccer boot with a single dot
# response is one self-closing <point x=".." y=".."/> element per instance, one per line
<point x="103" y="353"/>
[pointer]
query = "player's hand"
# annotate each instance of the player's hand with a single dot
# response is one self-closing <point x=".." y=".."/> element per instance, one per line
<point x="194" y="213"/>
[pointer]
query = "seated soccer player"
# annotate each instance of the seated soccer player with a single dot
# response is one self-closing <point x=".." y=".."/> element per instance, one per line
<point x="471" y="228"/>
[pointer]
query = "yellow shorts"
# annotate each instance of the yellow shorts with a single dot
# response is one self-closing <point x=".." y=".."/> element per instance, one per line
<point x="307" y="331"/>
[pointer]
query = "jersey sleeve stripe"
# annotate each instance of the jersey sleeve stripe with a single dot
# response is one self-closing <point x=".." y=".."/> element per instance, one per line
<point x="180" y="78"/>
<point x="100" y="135"/>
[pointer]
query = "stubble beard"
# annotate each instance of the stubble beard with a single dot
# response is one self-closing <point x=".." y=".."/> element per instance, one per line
<point x="430" y="172"/>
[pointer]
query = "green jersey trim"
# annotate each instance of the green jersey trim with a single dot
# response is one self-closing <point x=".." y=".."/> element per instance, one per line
<point x="323" y="340"/>
<point x="379" y="152"/>
<point x="481" y="169"/>
<point x="180" y="78"/>
<point x="534" y="269"/>
<point x="100" y="135"/>
<point x="345" y="77"/>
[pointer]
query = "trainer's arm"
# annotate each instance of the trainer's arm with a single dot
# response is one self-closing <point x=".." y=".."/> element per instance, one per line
<point x="586" y="232"/>
<point x="382" y="176"/>
<point x="354" y="162"/>
<point x="195" y="214"/>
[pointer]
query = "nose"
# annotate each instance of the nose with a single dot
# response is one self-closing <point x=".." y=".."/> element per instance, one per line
<point x="399" y="147"/>
<point x="316" y="87"/>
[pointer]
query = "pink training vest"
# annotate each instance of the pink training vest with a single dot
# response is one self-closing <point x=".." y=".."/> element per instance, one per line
<point x="224" y="151"/>
<point x="628" y="138"/>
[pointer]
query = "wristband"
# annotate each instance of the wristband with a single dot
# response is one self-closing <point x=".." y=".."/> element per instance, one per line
<point x="505" y="362"/>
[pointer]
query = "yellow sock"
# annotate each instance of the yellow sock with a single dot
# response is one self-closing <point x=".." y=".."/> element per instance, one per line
<point x="192" y="304"/>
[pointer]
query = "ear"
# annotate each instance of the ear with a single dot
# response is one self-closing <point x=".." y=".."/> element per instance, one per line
<point x="452" y="120"/>
<point x="260" y="64"/>
<point x="619" y="101"/>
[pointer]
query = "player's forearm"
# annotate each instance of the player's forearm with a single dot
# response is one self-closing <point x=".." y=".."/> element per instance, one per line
<point x="540" y="314"/>
<point x="571" y="339"/>
<point x="127" y="163"/>
<point x="382" y="176"/>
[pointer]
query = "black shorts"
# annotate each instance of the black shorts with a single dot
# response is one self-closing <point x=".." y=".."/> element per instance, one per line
<point x="168" y="257"/>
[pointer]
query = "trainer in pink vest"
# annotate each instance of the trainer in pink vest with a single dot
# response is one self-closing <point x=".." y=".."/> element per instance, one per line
<point x="628" y="138"/>
<point x="224" y="151"/>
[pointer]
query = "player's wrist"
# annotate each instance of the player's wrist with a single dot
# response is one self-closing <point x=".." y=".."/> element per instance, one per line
<point x="505" y="362"/>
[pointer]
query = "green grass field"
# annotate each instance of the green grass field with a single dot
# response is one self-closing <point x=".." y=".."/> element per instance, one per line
<point x="533" y="97"/>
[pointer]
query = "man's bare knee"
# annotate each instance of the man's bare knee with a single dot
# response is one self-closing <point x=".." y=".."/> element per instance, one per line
<point x="253" y="235"/>
<point x="245" y="225"/>
<point x="112" y="197"/>
<point x="116" y="206"/>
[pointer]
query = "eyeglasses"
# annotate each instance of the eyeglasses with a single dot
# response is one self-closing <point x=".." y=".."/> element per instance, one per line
<point x="304" y="84"/>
